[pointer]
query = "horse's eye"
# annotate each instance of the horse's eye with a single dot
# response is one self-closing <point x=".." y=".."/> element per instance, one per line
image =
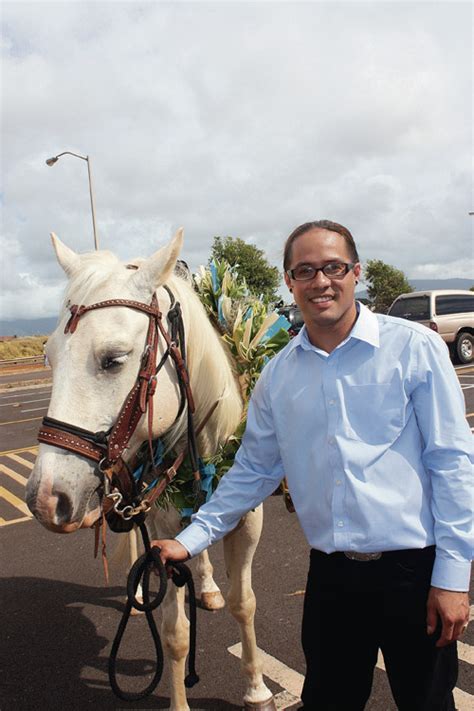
<point x="113" y="362"/>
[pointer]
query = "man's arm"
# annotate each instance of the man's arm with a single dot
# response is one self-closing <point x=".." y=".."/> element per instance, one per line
<point x="447" y="456"/>
<point x="256" y="473"/>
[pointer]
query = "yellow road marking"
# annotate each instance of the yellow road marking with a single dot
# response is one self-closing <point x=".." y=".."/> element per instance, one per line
<point x="33" y="450"/>
<point x="13" y="475"/>
<point x="14" y="501"/>
<point x="14" y="422"/>
<point x="20" y="460"/>
<point x="14" y="520"/>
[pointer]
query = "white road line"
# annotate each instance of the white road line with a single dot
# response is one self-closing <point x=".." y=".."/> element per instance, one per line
<point x="463" y="700"/>
<point x="34" y="409"/>
<point x="18" y="395"/>
<point x="24" y="402"/>
<point x="284" y="699"/>
<point x="292" y="682"/>
<point x="3" y="522"/>
<point x="287" y="678"/>
<point x="466" y="652"/>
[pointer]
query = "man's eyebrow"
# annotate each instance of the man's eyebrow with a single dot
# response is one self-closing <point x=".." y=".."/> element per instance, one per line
<point x="324" y="261"/>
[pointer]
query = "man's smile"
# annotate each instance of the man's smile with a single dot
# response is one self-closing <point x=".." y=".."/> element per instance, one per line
<point x="321" y="299"/>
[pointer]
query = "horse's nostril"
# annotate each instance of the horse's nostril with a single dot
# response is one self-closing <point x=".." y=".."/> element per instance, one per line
<point x="64" y="509"/>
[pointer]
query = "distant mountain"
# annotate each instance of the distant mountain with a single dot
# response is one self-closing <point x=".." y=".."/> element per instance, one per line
<point x="44" y="326"/>
<point x="428" y="284"/>
<point x="28" y="327"/>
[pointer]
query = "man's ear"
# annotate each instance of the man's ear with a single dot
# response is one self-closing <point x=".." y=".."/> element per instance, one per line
<point x="357" y="271"/>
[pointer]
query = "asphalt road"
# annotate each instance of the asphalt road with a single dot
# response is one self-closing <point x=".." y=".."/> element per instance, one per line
<point x="58" y="618"/>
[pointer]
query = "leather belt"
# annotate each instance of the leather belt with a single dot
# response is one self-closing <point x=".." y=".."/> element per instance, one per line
<point x="363" y="557"/>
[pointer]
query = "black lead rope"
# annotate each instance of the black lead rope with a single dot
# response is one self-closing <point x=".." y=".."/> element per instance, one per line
<point x="141" y="571"/>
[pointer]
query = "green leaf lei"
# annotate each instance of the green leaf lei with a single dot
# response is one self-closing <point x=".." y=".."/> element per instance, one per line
<point x="253" y="336"/>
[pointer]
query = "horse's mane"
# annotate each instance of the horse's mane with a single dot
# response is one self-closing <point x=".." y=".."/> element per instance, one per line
<point x="211" y="373"/>
<point x="209" y="364"/>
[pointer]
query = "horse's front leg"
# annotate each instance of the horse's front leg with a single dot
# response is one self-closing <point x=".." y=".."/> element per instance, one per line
<point x="175" y="638"/>
<point x="211" y="596"/>
<point x="239" y="550"/>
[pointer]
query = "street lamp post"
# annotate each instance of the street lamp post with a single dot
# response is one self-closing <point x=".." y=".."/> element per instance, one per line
<point x="54" y="159"/>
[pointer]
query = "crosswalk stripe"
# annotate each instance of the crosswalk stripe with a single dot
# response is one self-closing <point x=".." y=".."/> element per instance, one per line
<point x="33" y="450"/>
<point x="20" y="460"/>
<point x="13" y="475"/>
<point x="14" y="501"/>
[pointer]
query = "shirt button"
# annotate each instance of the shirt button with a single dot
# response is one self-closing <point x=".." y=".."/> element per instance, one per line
<point x="332" y="402"/>
<point x="338" y="482"/>
<point x="331" y="440"/>
<point x="340" y="524"/>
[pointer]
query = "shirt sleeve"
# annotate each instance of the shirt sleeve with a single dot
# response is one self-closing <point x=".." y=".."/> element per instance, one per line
<point x="448" y="458"/>
<point x="255" y="474"/>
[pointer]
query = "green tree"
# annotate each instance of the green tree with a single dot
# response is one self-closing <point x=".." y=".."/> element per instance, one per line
<point x="384" y="284"/>
<point x="262" y="279"/>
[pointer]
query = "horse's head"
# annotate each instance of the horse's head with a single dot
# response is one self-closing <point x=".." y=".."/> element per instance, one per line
<point x="94" y="368"/>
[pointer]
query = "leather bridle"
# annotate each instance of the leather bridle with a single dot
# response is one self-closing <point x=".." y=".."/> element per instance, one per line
<point x="107" y="448"/>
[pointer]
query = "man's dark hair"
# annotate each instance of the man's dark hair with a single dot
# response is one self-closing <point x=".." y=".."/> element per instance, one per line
<point x="321" y="225"/>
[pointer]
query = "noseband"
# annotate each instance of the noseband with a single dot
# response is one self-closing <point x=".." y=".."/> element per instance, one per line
<point x="107" y="448"/>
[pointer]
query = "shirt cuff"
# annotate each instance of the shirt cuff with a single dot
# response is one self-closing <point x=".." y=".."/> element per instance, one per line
<point x="449" y="574"/>
<point x="194" y="539"/>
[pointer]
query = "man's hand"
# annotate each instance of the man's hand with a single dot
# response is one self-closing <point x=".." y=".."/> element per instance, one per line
<point x="171" y="551"/>
<point x="453" y="610"/>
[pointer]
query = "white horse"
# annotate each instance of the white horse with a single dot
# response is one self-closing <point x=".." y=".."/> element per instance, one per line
<point x="94" y="369"/>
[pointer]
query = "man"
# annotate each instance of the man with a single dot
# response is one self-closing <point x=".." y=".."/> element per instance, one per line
<point x="365" y="416"/>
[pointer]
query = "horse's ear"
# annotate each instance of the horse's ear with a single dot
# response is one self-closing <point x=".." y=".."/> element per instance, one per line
<point x="156" y="270"/>
<point x="67" y="258"/>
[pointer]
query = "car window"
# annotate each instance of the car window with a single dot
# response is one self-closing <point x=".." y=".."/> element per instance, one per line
<point x="454" y="304"/>
<point x="295" y="317"/>
<point x="416" y="308"/>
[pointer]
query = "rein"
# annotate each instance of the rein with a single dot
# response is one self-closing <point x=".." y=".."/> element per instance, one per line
<point x="141" y="571"/>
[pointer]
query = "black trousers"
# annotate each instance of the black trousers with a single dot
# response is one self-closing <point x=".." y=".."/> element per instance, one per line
<point x="352" y="609"/>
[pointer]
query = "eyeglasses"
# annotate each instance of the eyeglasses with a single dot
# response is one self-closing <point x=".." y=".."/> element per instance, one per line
<point x="333" y="270"/>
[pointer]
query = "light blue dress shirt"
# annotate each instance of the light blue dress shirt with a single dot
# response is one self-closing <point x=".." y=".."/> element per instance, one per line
<point x="373" y="441"/>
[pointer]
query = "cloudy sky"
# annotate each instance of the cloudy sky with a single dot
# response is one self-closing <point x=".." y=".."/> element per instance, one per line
<point x="234" y="118"/>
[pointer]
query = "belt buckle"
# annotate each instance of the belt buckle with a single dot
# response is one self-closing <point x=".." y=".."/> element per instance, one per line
<point x="362" y="557"/>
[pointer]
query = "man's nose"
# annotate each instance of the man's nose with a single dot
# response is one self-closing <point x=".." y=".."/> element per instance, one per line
<point x="320" y="279"/>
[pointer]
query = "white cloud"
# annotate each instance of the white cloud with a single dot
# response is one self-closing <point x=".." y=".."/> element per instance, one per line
<point x="235" y="118"/>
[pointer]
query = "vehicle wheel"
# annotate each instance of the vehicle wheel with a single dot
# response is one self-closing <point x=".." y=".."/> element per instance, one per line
<point x="464" y="347"/>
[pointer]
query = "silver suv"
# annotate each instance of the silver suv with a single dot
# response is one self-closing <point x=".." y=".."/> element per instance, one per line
<point x="448" y="311"/>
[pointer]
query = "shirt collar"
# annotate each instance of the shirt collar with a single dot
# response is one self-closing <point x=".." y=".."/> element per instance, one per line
<point x="366" y="328"/>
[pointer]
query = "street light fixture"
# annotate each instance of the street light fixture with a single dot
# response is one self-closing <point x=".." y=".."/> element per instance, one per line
<point x="54" y="159"/>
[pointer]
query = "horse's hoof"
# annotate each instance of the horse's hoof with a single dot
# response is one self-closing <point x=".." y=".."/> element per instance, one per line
<point x="212" y="600"/>
<point x="268" y="705"/>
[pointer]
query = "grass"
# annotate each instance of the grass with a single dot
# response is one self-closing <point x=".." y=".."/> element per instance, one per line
<point x="22" y="347"/>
